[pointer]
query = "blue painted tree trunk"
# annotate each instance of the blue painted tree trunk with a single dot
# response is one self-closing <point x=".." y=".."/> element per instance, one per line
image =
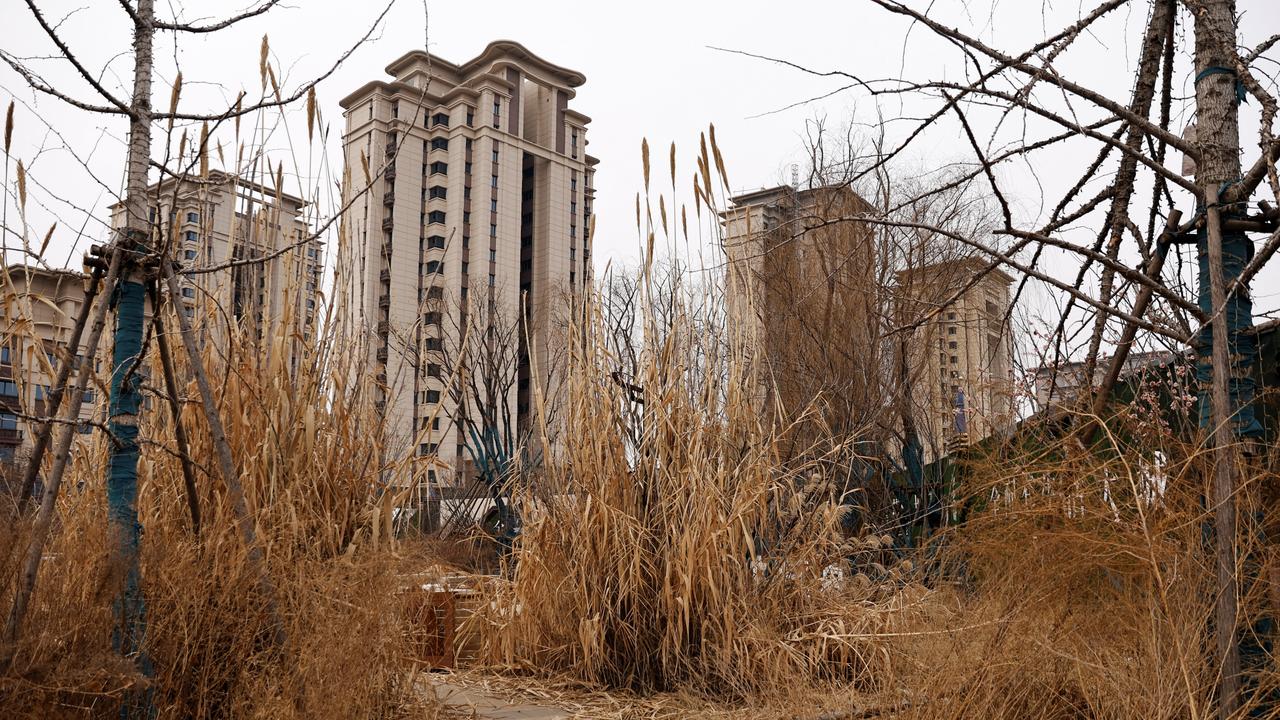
<point x="122" y="489"/>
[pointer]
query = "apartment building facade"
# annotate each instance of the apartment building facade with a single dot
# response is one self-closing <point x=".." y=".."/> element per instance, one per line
<point x="815" y="290"/>
<point x="962" y="354"/>
<point x="471" y="192"/>
<point x="40" y="308"/>
<point x="268" y="265"/>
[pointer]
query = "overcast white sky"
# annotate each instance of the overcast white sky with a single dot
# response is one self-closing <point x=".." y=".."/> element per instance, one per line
<point x="649" y="68"/>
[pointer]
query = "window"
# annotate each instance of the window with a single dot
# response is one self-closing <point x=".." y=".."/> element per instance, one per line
<point x="439" y="168"/>
<point x="573" y="140"/>
<point x="438" y="191"/>
<point x="395" y="109"/>
<point x="188" y="292"/>
<point x="466" y="192"/>
<point x="440" y="143"/>
<point x="432" y="344"/>
<point x="431" y="396"/>
<point x="435" y="242"/>
<point x="951" y="330"/>
<point x="466" y="217"/>
<point x="497" y="111"/>
<point x="434" y="266"/>
<point x="573" y="231"/>
<point x="4" y="356"/>
<point x="41" y="392"/>
<point x="84" y="428"/>
<point x="493" y="256"/>
<point x="311" y="252"/>
<point x="954" y="360"/>
<point x="572" y="253"/>
<point x="428" y="448"/>
<point x="493" y="230"/>
<point x="571" y="276"/>
<point x="952" y="345"/>
<point x="467" y="168"/>
<point x="471" y="117"/>
<point x="492" y="280"/>
<point x="431" y="318"/>
<point x="90" y="396"/>
<point x="573" y="207"/>
<point x="435" y="293"/>
<point x="495" y="155"/>
<point x="440" y="119"/>
<point x="436" y="216"/>
<point x="191" y="236"/>
<point x="8" y="421"/>
<point x="189" y="254"/>
<point x="466" y="267"/>
<point x="433" y="370"/>
<point x="193" y="217"/>
<point x="951" y="316"/>
<point x="573" y="185"/>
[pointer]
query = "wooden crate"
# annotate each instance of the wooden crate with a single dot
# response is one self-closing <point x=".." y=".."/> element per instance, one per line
<point x="429" y="622"/>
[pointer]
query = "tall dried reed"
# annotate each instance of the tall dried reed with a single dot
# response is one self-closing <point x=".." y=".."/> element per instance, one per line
<point x="329" y="644"/>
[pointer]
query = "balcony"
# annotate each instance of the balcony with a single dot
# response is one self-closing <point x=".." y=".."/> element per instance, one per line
<point x="390" y="173"/>
<point x="382" y="355"/>
<point x="10" y="437"/>
<point x="387" y="222"/>
<point x="384" y="301"/>
<point x="385" y="275"/>
<point x="389" y="198"/>
<point x="386" y="250"/>
<point x="383" y="327"/>
<point x="381" y="378"/>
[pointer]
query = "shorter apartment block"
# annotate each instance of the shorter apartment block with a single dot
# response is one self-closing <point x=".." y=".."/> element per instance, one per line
<point x="263" y="264"/>
<point x="40" y="308"/>
<point x="864" y="330"/>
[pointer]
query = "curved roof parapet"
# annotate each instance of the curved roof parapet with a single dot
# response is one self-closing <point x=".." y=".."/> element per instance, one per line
<point x="493" y="51"/>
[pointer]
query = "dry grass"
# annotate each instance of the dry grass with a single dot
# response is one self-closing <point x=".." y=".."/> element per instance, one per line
<point x="690" y="557"/>
<point x="307" y="455"/>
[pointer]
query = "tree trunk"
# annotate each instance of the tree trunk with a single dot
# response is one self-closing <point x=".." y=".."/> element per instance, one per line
<point x="1218" y="138"/>
<point x="122" y="468"/>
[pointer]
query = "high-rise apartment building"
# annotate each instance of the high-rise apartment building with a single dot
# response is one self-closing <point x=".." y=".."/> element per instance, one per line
<point x="821" y="294"/>
<point x="269" y="266"/>
<point x="800" y="284"/>
<point x="471" y="192"/>
<point x="962" y="355"/>
<point x="40" y="308"/>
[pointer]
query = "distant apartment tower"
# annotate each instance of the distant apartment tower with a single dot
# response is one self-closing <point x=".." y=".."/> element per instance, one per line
<point x="808" y="286"/>
<point x="269" y="265"/>
<point x="40" y="307"/>
<point x="800" y="287"/>
<point x="962" y="363"/>
<point x="466" y="181"/>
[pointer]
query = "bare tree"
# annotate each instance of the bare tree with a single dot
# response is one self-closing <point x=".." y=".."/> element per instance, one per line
<point x="1127" y="193"/>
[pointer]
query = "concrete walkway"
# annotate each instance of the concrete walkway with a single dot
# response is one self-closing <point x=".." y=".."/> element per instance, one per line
<point x="469" y="702"/>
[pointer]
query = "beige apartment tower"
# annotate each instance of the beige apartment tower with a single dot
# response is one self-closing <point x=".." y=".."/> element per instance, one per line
<point x="269" y="265"/>
<point x="40" y="308"/>
<point x="467" y="182"/>
<point x="817" y="291"/>
<point x="962" y="357"/>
